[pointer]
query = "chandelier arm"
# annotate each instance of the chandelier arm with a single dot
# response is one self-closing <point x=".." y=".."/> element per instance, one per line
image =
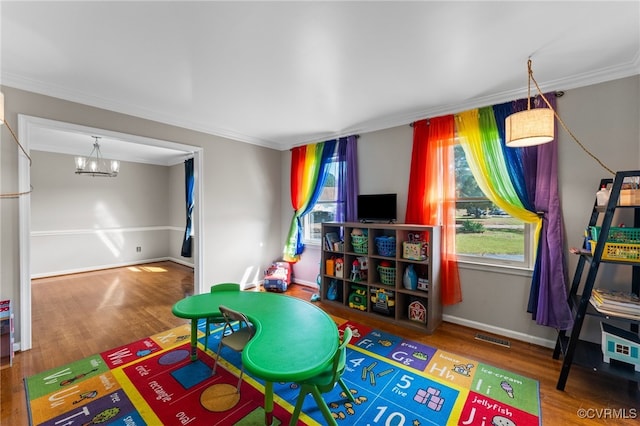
<point x="564" y="126"/>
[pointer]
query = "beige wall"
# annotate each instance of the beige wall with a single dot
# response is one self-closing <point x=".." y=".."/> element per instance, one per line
<point x="604" y="117"/>
<point x="83" y="223"/>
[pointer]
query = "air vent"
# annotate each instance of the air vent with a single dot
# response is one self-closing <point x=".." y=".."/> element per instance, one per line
<point x="494" y="340"/>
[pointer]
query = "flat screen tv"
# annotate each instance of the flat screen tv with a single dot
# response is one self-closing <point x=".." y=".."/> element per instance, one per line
<point x="377" y="208"/>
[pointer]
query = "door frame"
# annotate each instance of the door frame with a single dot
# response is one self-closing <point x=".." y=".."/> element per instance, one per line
<point x="25" y="124"/>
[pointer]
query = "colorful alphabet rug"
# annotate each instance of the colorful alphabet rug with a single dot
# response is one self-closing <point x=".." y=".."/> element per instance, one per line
<point x="394" y="382"/>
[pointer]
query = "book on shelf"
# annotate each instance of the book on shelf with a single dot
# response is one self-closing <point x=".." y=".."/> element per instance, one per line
<point x="332" y="240"/>
<point x="616" y="297"/>
<point x="615" y="312"/>
<point x="615" y="302"/>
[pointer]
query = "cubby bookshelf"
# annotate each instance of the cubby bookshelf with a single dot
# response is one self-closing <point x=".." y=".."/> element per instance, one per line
<point x="379" y="288"/>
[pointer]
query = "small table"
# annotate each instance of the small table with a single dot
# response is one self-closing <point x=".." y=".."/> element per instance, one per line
<point x="294" y="341"/>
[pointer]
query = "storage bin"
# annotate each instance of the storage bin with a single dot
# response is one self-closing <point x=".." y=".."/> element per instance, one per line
<point x="387" y="275"/>
<point x="360" y="243"/>
<point x="386" y="245"/>
<point x="629" y="197"/>
<point x="622" y="243"/>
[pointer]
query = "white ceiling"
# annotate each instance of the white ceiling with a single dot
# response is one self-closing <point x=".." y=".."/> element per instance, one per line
<point x="280" y="74"/>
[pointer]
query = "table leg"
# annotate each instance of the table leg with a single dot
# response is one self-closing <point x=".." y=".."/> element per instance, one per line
<point x="268" y="403"/>
<point x="194" y="339"/>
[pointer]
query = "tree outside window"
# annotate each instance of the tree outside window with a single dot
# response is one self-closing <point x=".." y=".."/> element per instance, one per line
<point x="484" y="232"/>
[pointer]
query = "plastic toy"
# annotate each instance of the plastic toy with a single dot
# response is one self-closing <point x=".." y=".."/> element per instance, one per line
<point x="277" y="277"/>
<point x="332" y="291"/>
<point x="355" y="270"/>
<point x="359" y="269"/>
<point x="339" y="266"/>
<point x="620" y="345"/>
<point x="383" y="301"/>
<point x="417" y="311"/>
<point x="358" y="298"/>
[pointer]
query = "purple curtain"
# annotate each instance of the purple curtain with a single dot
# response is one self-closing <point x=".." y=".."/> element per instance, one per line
<point x="348" y="179"/>
<point x="352" y="180"/>
<point x="548" y="295"/>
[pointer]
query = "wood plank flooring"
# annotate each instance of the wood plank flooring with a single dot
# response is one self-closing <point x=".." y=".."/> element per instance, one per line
<point x="78" y="315"/>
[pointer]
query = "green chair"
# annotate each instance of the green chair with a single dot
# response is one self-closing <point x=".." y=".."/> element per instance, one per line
<point x="325" y="382"/>
<point x="234" y="338"/>
<point x="217" y="319"/>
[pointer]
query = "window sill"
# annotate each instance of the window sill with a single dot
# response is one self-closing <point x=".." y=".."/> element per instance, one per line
<point x="501" y="269"/>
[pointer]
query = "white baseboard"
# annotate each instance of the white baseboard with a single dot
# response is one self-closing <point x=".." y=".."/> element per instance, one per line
<point x="472" y="324"/>
<point x="181" y="262"/>
<point x="312" y="284"/>
<point x="109" y="266"/>
<point x="500" y="331"/>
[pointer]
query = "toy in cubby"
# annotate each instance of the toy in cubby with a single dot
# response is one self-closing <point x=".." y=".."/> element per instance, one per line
<point x="417" y="310"/>
<point x="415" y="248"/>
<point x="359" y="269"/>
<point x="335" y="267"/>
<point x="383" y="301"/>
<point x="339" y="267"/>
<point x="358" y="298"/>
<point x="334" y="291"/>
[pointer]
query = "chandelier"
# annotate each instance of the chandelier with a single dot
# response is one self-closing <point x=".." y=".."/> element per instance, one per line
<point x="95" y="164"/>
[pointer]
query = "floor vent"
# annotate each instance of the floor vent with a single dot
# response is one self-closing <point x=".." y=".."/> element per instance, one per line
<point x="494" y="340"/>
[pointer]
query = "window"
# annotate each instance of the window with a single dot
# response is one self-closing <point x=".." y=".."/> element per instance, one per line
<point x="324" y="210"/>
<point x="484" y="232"/>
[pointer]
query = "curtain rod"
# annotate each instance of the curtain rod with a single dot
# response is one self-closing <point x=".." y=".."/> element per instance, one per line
<point x="557" y="93"/>
<point x="341" y="137"/>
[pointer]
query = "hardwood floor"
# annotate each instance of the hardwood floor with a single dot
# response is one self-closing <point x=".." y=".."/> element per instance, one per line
<point x="79" y="315"/>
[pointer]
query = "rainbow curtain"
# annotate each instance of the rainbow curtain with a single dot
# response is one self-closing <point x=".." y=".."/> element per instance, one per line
<point x="431" y="197"/>
<point x="524" y="183"/>
<point x="482" y="144"/>
<point x="308" y="173"/>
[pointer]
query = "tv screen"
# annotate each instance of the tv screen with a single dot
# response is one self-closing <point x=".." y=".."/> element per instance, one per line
<point x="377" y="208"/>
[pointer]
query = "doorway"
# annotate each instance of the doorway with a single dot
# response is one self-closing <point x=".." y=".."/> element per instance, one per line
<point x="32" y="127"/>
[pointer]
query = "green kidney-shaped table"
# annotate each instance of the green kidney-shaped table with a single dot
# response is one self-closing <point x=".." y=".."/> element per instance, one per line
<point x="294" y="339"/>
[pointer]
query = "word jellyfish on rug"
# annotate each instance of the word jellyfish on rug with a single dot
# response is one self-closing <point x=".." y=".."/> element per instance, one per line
<point x="394" y="381"/>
